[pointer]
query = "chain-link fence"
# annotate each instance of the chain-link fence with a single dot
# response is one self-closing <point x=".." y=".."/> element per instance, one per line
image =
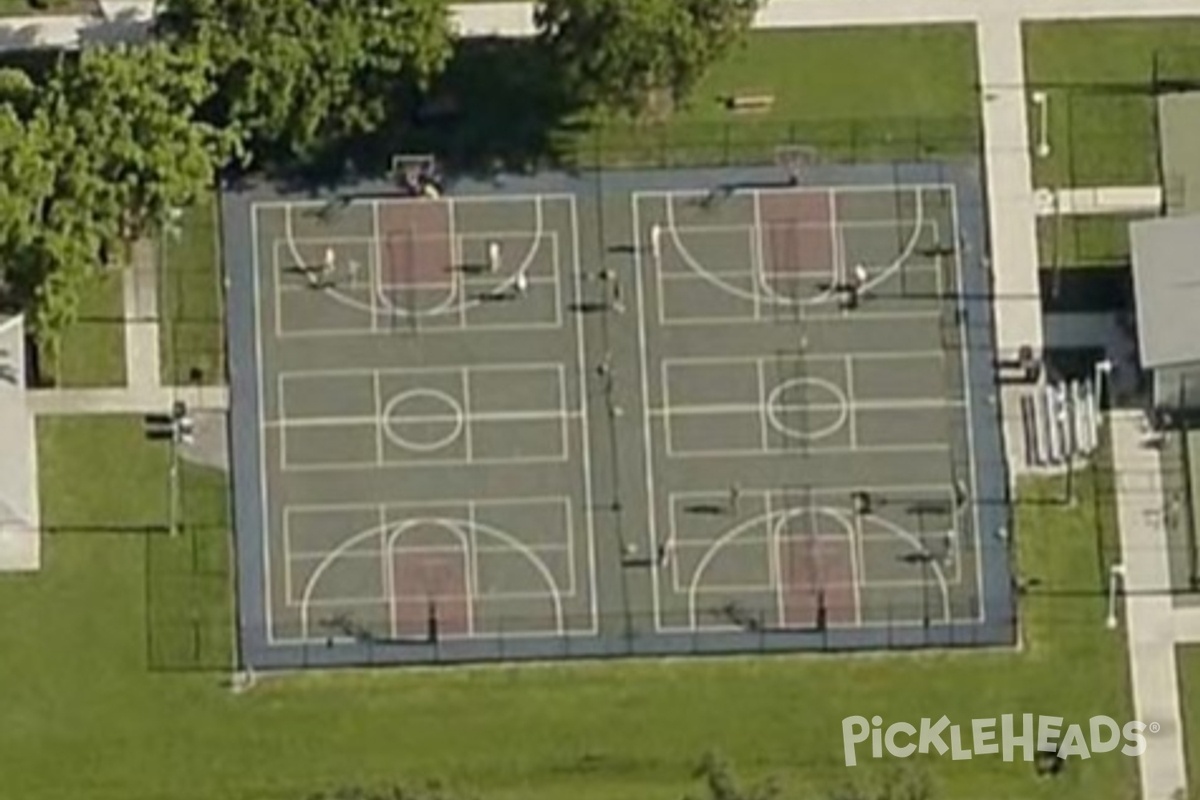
<point x="745" y="142"/>
<point x="729" y="630"/>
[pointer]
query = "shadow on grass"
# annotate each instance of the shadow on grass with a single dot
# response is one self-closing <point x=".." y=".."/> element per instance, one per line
<point x="495" y="108"/>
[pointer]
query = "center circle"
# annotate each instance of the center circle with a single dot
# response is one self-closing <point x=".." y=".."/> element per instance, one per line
<point x="428" y="407"/>
<point x="776" y="406"/>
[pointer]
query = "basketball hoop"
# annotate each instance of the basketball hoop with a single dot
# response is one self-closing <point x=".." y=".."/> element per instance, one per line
<point x="417" y="174"/>
<point x="794" y="159"/>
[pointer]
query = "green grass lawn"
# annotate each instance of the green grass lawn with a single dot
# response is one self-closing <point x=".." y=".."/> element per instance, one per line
<point x="192" y="334"/>
<point x="1189" y="698"/>
<point x="1084" y="241"/>
<point x="93" y="349"/>
<point x="110" y="655"/>
<point x="914" y="94"/>
<point x="1102" y="128"/>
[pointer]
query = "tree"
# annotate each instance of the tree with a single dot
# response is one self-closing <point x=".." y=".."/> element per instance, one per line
<point x="26" y="181"/>
<point x="96" y="158"/>
<point x="298" y="77"/>
<point x="621" y="54"/>
<point x="130" y="147"/>
<point x="720" y="783"/>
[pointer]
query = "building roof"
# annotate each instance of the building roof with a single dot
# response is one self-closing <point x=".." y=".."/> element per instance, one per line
<point x="1166" y="284"/>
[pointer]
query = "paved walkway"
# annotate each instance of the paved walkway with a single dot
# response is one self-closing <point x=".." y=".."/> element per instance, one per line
<point x="140" y="289"/>
<point x="1150" y="617"/>
<point x="1100" y="200"/>
<point x="125" y="400"/>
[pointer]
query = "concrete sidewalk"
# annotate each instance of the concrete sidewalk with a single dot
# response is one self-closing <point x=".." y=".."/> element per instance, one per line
<point x="1149" y="615"/>
<point x="142" y="400"/>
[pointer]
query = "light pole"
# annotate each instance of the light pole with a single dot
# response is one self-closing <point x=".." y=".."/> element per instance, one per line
<point x="1116" y="575"/>
<point x="182" y="433"/>
<point x="1101" y="377"/>
<point x="1042" y="101"/>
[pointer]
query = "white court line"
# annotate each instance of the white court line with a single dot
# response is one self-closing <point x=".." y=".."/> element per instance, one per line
<point x="668" y="434"/>
<point x="379" y="421"/>
<point x="468" y="588"/>
<point x="757" y="259"/>
<point x="853" y="401"/>
<point x="566" y="414"/>
<point x="733" y="274"/>
<point x="473" y="543"/>
<point x="647" y="435"/>
<point x="301" y="556"/>
<point x="584" y="421"/>
<point x="485" y="416"/>
<point x="861" y="315"/>
<point x="764" y="424"/>
<point x="506" y="327"/>
<point x="437" y="505"/>
<point x="916" y="490"/>
<point x="456" y="263"/>
<point x="468" y="419"/>
<point x="261" y="416"/>
<point x="279" y="402"/>
<point x="773" y="566"/>
<point x="371" y="466"/>
<point x="720" y="409"/>
<point x="865" y="188"/>
<point x="288" y="557"/>
<point x="385" y="567"/>
<point x="515" y="367"/>
<point x="374" y="278"/>
<point x="837" y="246"/>
<point x="969" y="407"/>
<point x="878" y="449"/>
<point x="830" y="356"/>
<point x="398" y="200"/>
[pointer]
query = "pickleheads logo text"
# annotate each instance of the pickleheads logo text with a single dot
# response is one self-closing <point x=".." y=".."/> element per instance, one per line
<point x="1007" y="735"/>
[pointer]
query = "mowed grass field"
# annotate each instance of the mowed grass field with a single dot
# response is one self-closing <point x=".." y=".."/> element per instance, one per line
<point x="93" y="349"/>
<point x="894" y="93"/>
<point x="112" y="657"/>
<point x="191" y="338"/>
<point x="856" y="93"/>
<point x="1101" y="115"/>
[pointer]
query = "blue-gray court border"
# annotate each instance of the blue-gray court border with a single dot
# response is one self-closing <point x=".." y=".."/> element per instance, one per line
<point x="990" y="470"/>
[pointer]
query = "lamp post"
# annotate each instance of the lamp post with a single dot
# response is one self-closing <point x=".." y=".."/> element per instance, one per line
<point x="1116" y="575"/>
<point x="1042" y="101"/>
<point x="1101" y="377"/>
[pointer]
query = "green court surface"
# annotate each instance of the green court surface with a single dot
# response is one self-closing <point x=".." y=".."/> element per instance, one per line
<point x="590" y="419"/>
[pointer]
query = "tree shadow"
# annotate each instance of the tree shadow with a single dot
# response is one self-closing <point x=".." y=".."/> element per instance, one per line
<point x="497" y="107"/>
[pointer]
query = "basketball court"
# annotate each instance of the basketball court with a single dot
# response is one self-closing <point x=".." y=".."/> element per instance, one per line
<point x="670" y="413"/>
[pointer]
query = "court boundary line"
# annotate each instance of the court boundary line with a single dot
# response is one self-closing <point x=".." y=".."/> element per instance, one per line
<point x="468" y="600"/>
<point x="821" y="298"/>
<point x="518" y="546"/>
<point x="537" y="235"/>
<point x="585" y="416"/>
<point x="398" y="199"/>
<point x="969" y="412"/>
<point x="647" y="432"/>
<point x="260" y="419"/>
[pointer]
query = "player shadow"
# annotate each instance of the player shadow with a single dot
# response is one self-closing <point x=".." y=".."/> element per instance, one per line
<point x="708" y="509"/>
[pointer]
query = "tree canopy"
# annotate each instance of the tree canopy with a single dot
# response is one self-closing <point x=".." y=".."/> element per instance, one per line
<point x="297" y="77"/>
<point x="97" y="157"/>
<point x="619" y="54"/>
